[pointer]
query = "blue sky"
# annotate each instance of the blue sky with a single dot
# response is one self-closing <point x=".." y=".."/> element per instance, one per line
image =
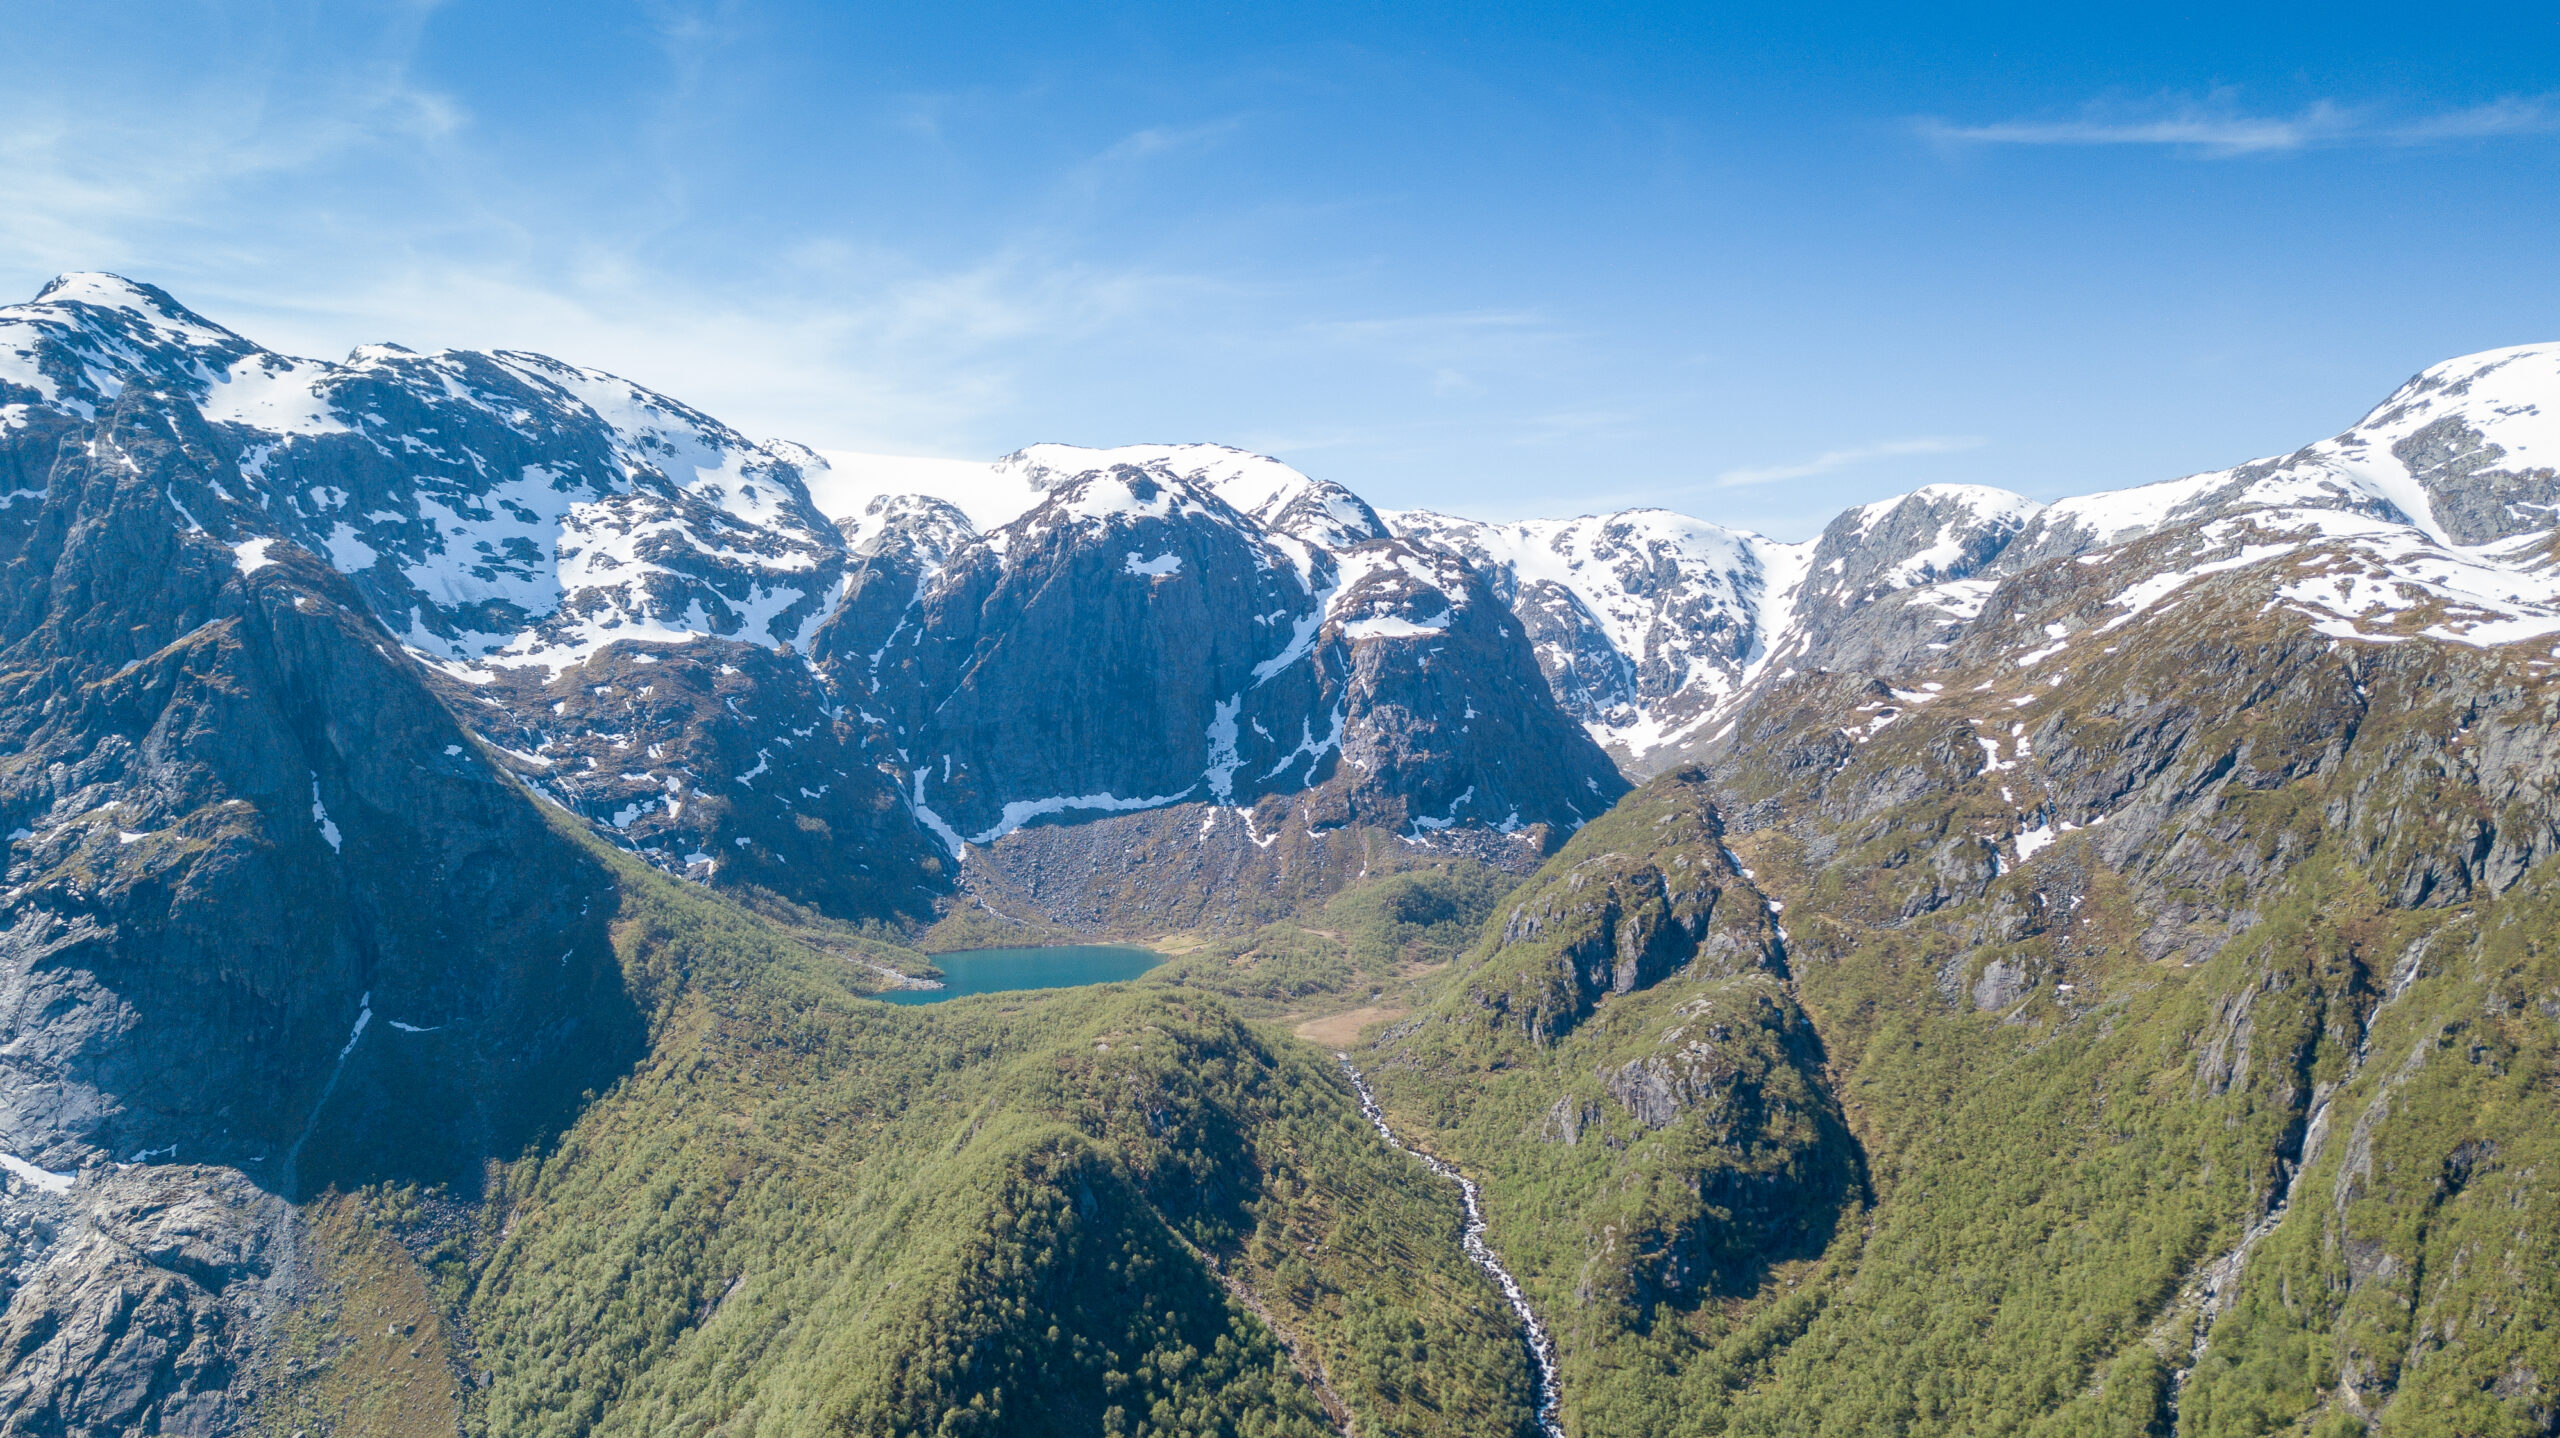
<point x="1750" y="262"/>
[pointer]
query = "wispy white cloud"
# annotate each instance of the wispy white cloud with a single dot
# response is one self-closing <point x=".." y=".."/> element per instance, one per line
<point x="2530" y="115"/>
<point x="1451" y="351"/>
<point x="1856" y="454"/>
<point x="1435" y="338"/>
<point x="2217" y="128"/>
<point x="317" y="200"/>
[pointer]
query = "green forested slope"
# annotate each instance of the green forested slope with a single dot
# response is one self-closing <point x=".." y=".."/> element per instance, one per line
<point x="1109" y="1210"/>
<point x="1626" y="1070"/>
<point x="2229" y="1110"/>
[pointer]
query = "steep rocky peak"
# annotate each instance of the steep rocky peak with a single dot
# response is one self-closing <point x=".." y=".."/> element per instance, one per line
<point x="996" y="493"/>
<point x="1392" y="589"/>
<point x="2465" y="449"/>
<point x="918" y="525"/>
<point x="501" y="505"/>
<point x="1116" y="492"/>
<point x="1278" y="497"/>
<point x="99" y="290"/>
<point x="1629" y="552"/>
<point x="1932" y="534"/>
<point x="85" y="333"/>
<point x="1929" y="537"/>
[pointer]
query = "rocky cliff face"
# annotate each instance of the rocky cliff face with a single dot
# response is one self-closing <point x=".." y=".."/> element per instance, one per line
<point x="1160" y="632"/>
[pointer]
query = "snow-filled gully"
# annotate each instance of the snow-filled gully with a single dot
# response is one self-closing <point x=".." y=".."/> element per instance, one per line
<point x="1541" y="1347"/>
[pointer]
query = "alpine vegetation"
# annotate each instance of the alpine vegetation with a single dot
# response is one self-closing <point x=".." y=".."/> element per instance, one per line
<point x="1995" y="967"/>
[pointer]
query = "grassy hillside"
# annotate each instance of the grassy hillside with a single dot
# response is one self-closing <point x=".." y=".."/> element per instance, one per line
<point x="1373" y="942"/>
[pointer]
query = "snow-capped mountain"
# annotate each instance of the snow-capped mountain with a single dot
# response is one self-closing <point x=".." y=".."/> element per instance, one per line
<point x="490" y="506"/>
<point x="599" y="575"/>
<point x="1642" y="620"/>
<point x="1652" y="628"/>
<point x="2463" y="451"/>
<point x="835" y="674"/>
<point x="1236" y="630"/>
<point x="648" y="618"/>
<point x="2441" y="503"/>
<point x="992" y="495"/>
<point x="292" y="649"/>
<point x="1649" y="624"/>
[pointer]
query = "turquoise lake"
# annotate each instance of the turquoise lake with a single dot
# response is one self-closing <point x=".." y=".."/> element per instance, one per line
<point x="993" y="971"/>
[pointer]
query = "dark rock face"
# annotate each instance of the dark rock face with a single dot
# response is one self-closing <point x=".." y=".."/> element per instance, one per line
<point x="2475" y="499"/>
<point x="1892" y="582"/>
<point x="139" y="1303"/>
<point x="245" y="828"/>
<point x="1930" y="536"/>
<point x="1135" y="641"/>
<point x="1082" y="655"/>
<point x="1196" y="866"/>
<point x="719" y="761"/>
<point x="272" y="915"/>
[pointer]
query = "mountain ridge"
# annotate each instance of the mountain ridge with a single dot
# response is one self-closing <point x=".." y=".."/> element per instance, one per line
<point x="2071" y="969"/>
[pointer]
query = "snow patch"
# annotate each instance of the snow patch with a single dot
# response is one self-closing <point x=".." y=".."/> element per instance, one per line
<point x="1395" y="626"/>
<point x="320" y="816"/>
<point x="251" y="554"/>
<point x="37" y="1178"/>
<point x="1022" y="811"/>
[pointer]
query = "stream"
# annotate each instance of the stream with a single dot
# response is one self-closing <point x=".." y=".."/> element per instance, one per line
<point x="1541" y="1347"/>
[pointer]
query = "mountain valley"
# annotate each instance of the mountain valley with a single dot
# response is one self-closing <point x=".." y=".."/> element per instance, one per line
<point x="1995" y="967"/>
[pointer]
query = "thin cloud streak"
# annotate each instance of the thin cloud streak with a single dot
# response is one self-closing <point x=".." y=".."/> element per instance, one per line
<point x="2216" y="131"/>
<point x="212" y="191"/>
<point x="1834" y="459"/>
